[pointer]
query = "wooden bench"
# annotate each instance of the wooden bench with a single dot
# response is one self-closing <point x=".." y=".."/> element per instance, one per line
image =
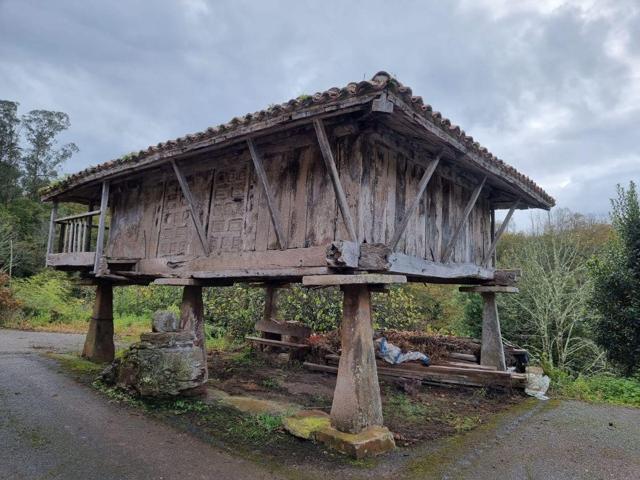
<point x="286" y="335"/>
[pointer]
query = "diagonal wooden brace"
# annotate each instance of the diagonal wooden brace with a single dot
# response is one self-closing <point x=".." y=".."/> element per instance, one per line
<point x="271" y="201"/>
<point x="184" y="186"/>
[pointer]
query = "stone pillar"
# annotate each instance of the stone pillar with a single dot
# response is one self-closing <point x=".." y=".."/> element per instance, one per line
<point x="192" y="315"/>
<point x="356" y="399"/>
<point x="98" y="346"/>
<point x="492" y="351"/>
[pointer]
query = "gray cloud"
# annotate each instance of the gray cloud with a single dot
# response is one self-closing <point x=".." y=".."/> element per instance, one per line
<point x="551" y="87"/>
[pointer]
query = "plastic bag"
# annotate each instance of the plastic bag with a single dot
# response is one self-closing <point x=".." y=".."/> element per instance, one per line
<point x="392" y="354"/>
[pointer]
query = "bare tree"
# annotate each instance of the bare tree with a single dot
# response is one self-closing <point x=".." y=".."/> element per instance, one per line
<point x="551" y="314"/>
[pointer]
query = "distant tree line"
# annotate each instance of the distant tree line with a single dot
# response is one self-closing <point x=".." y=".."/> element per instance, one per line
<point x="30" y="158"/>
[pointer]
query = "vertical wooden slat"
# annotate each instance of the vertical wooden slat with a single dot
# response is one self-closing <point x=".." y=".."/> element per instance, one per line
<point x="499" y="233"/>
<point x="416" y="201"/>
<point x="67" y="231"/>
<point x="83" y="242"/>
<point x="87" y="243"/>
<point x="330" y="163"/>
<point x="465" y="215"/>
<point x="104" y="202"/>
<point x="52" y="228"/>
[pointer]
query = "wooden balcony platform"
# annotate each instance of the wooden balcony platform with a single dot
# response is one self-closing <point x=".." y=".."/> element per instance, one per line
<point x="72" y="259"/>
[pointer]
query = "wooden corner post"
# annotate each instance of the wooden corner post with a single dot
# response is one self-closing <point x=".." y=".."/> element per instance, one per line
<point x="98" y="345"/>
<point x="104" y="204"/>
<point x="52" y="230"/>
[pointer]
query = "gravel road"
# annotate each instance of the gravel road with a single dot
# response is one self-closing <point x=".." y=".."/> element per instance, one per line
<point x="54" y="428"/>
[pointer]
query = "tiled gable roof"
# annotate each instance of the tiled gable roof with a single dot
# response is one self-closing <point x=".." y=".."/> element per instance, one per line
<point x="381" y="82"/>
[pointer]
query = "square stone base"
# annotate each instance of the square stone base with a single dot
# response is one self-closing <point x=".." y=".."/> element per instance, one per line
<point x="368" y="443"/>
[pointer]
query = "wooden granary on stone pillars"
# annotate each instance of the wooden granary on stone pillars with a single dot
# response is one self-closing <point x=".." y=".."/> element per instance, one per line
<point x="358" y="187"/>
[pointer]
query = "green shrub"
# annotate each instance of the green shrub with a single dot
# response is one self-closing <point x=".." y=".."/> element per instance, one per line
<point x="49" y="297"/>
<point x="598" y="388"/>
<point x="233" y="311"/>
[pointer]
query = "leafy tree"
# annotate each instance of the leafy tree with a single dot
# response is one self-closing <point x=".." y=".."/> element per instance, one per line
<point x="42" y="157"/>
<point x="9" y="151"/>
<point x="616" y="277"/>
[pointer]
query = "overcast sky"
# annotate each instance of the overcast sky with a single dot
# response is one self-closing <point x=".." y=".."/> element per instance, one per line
<point x="552" y="88"/>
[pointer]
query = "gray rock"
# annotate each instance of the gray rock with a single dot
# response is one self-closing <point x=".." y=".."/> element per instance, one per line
<point x="165" y="321"/>
<point x="163" y="365"/>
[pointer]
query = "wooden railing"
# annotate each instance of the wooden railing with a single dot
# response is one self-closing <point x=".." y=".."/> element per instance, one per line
<point x="76" y="233"/>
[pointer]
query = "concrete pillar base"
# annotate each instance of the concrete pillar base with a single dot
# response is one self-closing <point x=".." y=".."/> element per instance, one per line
<point x="356" y="399"/>
<point x="99" y="346"/>
<point x="368" y="443"/>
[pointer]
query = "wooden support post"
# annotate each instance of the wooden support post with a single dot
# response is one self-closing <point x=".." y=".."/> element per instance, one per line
<point x="186" y="192"/>
<point x="87" y="243"/>
<point x="52" y="227"/>
<point x="492" y="350"/>
<point x="99" y="346"/>
<point x="330" y="163"/>
<point x="448" y="251"/>
<point x="104" y="203"/>
<point x="496" y="238"/>
<point x="271" y="201"/>
<point x="356" y="399"/>
<point x="416" y="201"/>
<point x="270" y="303"/>
<point x="192" y="316"/>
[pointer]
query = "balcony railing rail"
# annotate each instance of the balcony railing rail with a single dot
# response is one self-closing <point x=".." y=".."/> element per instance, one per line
<point x="75" y="232"/>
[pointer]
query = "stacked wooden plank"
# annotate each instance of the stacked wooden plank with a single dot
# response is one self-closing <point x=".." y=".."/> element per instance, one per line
<point x="456" y="373"/>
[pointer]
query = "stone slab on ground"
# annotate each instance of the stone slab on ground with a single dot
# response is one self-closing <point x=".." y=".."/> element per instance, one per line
<point x="368" y="443"/>
<point x="306" y="423"/>
<point x="252" y="405"/>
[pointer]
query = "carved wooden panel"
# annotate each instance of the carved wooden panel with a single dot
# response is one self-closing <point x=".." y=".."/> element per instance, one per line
<point x="175" y="222"/>
<point x="228" y="205"/>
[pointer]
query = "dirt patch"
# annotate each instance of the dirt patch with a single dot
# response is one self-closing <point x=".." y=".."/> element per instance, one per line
<point x="415" y="413"/>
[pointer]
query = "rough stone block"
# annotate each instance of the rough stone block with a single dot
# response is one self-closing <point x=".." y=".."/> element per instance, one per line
<point x="368" y="443"/>
<point x="165" y="321"/>
<point x="162" y="364"/>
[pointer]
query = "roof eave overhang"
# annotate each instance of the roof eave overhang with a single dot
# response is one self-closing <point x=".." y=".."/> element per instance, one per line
<point x="529" y="197"/>
<point x="239" y="134"/>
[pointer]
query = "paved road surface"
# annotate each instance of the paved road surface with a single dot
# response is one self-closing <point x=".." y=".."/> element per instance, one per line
<point x="53" y="428"/>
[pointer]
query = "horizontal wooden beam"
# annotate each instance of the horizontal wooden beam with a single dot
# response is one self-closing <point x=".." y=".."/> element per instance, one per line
<point x="79" y="215"/>
<point x="76" y="259"/>
<point x="356" y="279"/>
<point x="489" y="289"/>
<point x="418" y="267"/>
<point x="179" y="282"/>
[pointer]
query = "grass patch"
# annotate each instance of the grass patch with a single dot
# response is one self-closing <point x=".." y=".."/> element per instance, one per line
<point x="399" y="404"/>
<point x="76" y="364"/>
<point x="597" y="388"/>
